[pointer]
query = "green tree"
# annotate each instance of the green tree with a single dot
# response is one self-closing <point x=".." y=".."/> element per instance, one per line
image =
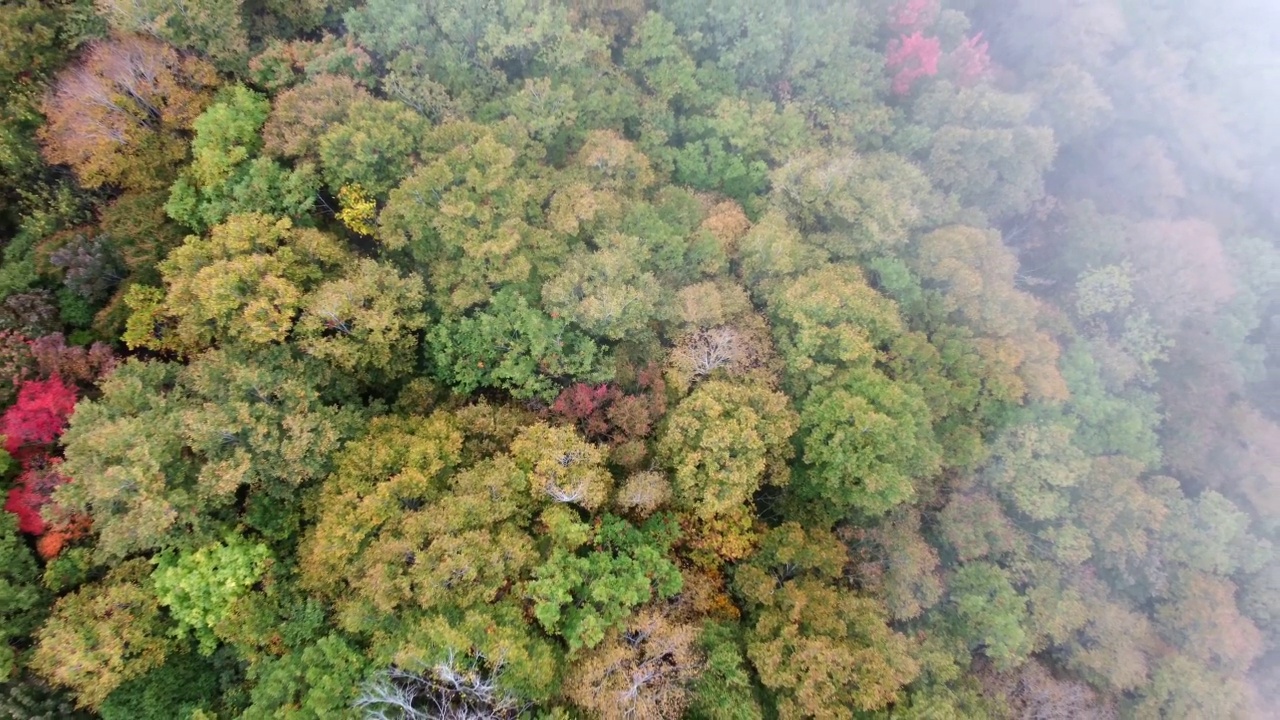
<point x="226" y="176"/>
<point x="723" y="441"/>
<point x="514" y="347"/>
<point x="245" y="282"/>
<point x="1033" y="468"/>
<point x="170" y="456"/>
<point x="982" y="149"/>
<point x="865" y="442"/>
<point x="374" y="146"/>
<point x="606" y="292"/>
<point x="320" y="680"/>
<point x="724" y="689"/>
<point x="476" y="48"/>
<point x="470" y="215"/>
<point x="200" y="586"/>
<point x="528" y="665"/>
<point x="581" y="595"/>
<point x="216" y="29"/>
<point x="827" y="319"/>
<point x="860" y="204"/>
<point x="562" y="466"/>
<point x="22" y="601"/>
<point x="185" y="685"/>
<point x="990" y="614"/>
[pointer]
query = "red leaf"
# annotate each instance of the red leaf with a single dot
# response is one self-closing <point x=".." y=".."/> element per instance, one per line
<point x="39" y="416"/>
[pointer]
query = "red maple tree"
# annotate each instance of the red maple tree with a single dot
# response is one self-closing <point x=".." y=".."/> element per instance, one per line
<point x="33" y="492"/>
<point x="39" y="415"/>
<point x="910" y="58"/>
<point x="971" y="60"/>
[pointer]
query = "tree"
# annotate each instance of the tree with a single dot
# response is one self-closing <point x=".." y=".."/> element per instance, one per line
<point x="827" y="319"/>
<point x="374" y="146"/>
<point x="90" y="267"/>
<point x="865" y="441"/>
<point x="23" y="601"/>
<point x="990" y="614"/>
<point x="983" y="151"/>
<point x="724" y="688"/>
<point x="246" y="281"/>
<point x="562" y="466"/>
<point x="468" y="215"/>
<point x="640" y="671"/>
<point x="605" y="292"/>
<point x="301" y="115"/>
<point x="490" y="647"/>
<point x="901" y="566"/>
<point x="1034" y="691"/>
<point x="72" y="363"/>
<point x="226" y="176"/>
<point x="366" y="322"/>
<point x="173" y="457"/>
<point x="186" y="684"/>
<point x="39" y="415"/>
<point x="822" y="651"/>
<point x="215" y="29"/>
<point x="512" y="346"/>
<point x="773" y="249"/>
<point x="723" y="441"/>
<point x="476" y="48"/>
<point x="1034" y="467"/>
<point x="1204" y="621"/>
<point x="32" y="493"/>
<point x="581" y="596"/>
<point x="976" y="276"/>
<point x="102" y="635"/>
<point x="117" y="117"/>
<point x="410" y="452"/>
<point x="910" y="58"/>
<point x="862" y="204"/>
<point x="200" y="587"/>
<point x="321" y="679"/>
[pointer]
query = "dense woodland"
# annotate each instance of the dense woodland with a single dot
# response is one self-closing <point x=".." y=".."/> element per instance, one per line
<point x="720" y="359"/>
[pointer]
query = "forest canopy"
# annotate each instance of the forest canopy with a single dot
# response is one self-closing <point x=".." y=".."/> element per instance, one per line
<point x="639" y="359"/>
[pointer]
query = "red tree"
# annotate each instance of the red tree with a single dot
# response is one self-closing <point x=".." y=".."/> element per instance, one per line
<point x="32" y="493"/>
<point x="39" y="415"/>
<point x="971" y="60"/>
<point x="911" y="16"/>
<point x="910" y="58"/>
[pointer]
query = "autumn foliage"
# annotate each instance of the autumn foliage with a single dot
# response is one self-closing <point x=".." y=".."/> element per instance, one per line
<point x="116" y="117"/>
<point x="970" y="61"/>
<point x="39" y="415"/>
<point x="32" y="492"/>
<point x="910" y="58"/>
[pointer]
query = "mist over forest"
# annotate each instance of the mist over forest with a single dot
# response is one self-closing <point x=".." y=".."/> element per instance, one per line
<point x="639" y="359"/>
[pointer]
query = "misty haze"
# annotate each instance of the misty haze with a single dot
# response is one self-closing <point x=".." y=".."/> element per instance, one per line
<point x="640" y="359"/>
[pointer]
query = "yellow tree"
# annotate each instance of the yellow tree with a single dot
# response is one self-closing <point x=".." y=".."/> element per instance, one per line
<point x="245" y="281"/>
<point x="723" y="441"/>
<point x="642" y="670"/>
<point x="104" y="634"/>
<point x="366" y="322"/>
